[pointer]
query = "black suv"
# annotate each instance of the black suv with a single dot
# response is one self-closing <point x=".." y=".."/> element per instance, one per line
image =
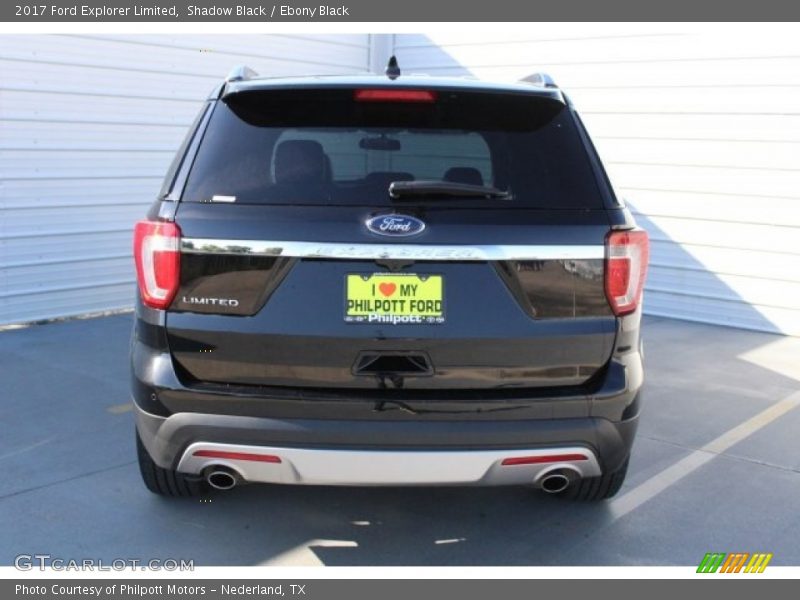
<point x="387" y="281"/>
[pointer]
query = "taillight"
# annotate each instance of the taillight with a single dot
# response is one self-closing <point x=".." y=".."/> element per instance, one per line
<point x="389" y="95"/>
<point x="627" y="253"/>
<point x="156" y="251"/>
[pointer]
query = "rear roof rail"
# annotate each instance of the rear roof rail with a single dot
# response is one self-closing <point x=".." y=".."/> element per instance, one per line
<point x="240" y="73"/>
<point x="540" y="79"/>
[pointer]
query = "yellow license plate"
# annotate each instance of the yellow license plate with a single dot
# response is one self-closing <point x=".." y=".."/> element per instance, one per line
<point x="394" y="299"/>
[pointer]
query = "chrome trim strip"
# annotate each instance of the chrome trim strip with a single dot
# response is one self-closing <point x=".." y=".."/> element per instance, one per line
<point x="391" y="251"/>
<point x="387" y="467"/>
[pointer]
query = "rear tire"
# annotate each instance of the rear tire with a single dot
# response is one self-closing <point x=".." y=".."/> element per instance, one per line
<point x="602" y="487"/>
<point x="166" y="482"/>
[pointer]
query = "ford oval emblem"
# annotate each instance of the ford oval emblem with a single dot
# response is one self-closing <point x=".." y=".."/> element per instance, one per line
<point x="395" y="225"/>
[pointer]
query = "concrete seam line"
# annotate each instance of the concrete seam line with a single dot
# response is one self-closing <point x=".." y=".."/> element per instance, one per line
<point x="647" y="490"/>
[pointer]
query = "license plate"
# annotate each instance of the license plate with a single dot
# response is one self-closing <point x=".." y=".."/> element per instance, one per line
<point x="394" y="299"/>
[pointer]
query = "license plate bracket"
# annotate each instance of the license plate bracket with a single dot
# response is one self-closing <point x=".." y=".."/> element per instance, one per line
<point x="394" y="298"/>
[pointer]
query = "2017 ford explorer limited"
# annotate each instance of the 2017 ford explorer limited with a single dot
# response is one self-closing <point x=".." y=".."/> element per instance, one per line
<point x="387" y="281"/>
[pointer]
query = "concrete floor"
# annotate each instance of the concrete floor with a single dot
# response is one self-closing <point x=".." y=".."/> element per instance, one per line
<point x="711" y="471"/>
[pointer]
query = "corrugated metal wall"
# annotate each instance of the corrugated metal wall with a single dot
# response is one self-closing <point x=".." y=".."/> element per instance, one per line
<point x="88" y="125"/>
<point x="699" y="127"/>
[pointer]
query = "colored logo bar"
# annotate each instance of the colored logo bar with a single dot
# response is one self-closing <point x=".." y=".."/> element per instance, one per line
<point x="734" y="562"/>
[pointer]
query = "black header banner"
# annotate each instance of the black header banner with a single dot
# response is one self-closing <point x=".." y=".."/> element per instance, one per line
<point x="253" y="11"/>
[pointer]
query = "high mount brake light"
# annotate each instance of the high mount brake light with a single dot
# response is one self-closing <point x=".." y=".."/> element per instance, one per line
<point x="627" y="254"/>
<point x="389" y="95"/>
<point x="156" y="251"/>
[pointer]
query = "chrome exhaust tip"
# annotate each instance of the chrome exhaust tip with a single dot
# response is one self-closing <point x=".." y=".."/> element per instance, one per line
<point x="222" y="478"/>
<point x="558" y="480"/>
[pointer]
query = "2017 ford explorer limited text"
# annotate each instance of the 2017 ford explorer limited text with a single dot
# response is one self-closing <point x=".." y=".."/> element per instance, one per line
<point x="387" y="281"/>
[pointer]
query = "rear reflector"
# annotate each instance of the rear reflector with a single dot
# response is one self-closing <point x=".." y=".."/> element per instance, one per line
<point x="388" y="95"/>
<point x="268" y="458"/>
<point x="158" y="261"/>
<point x="537" y="460"/>
<point x="627" y="254"/>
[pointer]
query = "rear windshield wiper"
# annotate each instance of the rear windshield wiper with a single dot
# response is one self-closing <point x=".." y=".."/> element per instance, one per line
<point x="400" y="190"/>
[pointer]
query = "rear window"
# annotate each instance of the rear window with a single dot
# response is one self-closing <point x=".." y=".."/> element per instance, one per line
<point x="325" y="147"/>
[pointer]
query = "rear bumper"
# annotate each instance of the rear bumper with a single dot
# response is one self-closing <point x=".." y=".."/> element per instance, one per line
<point x="318" y="466"/>
<point x="337" y="452"/>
